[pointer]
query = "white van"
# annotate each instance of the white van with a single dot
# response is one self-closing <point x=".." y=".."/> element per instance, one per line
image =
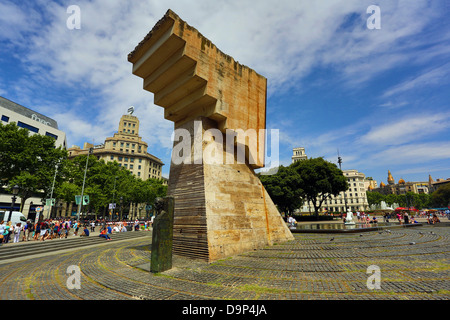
<point x="16" y="217"/>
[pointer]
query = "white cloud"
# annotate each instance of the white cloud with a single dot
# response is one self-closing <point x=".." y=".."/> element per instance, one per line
<point x="283" y="41"/>
<point x="436" y="76"/>
<point x="407" y="129"/>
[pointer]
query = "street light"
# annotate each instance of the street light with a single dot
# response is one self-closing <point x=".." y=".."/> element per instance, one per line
<point x="340" y="168"/>
<point x="15" y="192"/>
<point x="121" y="207"/>
<point x="91" y="150"/>
<point x="114" y="195"/>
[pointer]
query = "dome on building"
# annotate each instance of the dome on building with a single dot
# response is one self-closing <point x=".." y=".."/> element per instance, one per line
<point x="390" y="178"/>
<point x="382" y="184"/>
<point x="401" y="181"/>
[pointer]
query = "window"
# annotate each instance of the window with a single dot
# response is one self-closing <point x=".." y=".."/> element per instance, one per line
<point x="5" y="118"/>
<point x="139" y="167"/>
<point x="125" y="159"/>
<point x="27" y="126"/>
<point x="125" y="165"/>
<point x="120" y="158"/>
<point x="121" y="144"/>
<point x="131" y="166"/>
<point x="54" y="136"/>
<point x="131" y="159"/>
<point x="112" y="157"/>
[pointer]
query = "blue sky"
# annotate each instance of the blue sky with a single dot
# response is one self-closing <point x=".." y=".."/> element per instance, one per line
<point x="379" y="96"/>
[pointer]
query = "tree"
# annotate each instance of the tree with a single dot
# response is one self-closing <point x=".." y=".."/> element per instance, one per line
<point x="441" y="197"/>
<point x="284" y="189"/>
<point x="393" y="198"/>
<point x="374" y="198"/>
<point x="28" y="161"/>
<point x="319" y="179"/>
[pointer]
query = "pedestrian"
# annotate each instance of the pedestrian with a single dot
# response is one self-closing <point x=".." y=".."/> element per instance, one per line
<point x="2" y="231"/>
<point x="109" y="229"/>
<point x="85" y="232"/>
<point x="7" y="233"/>
<point x="17" y="229"/>
<point x="75" y="227"/>
<point x="103" y="234"/>
<point x="66" y="229"/>
<point x="30" y="229"/>
<point x="406" y="218"/>
<point x="24" y="228"/>
<point x="37" y="231"/>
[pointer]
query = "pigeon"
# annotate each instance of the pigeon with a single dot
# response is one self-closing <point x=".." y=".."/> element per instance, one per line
<point x="360" y="235"/>
<point x="332" y="239"/>
<point x="420" y="232"/>
<point x="412" y="243"/>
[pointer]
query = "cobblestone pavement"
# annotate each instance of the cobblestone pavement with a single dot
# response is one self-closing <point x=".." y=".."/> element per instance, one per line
<point x="414" y="264"/>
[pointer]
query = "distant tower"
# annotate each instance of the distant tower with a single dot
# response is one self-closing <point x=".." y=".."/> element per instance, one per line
<point x="430" y="184"/>
<point x="390" y="178"/>
<point x="298" y="154"/>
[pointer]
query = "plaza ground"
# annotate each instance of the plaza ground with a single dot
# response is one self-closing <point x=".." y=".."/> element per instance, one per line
<point x="414" y="265"/>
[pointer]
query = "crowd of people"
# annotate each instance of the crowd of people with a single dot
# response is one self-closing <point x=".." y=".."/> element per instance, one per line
<point x="60" y="228"/>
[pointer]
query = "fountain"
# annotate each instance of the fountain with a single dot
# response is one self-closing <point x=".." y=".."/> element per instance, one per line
<point x="349" y="218"/>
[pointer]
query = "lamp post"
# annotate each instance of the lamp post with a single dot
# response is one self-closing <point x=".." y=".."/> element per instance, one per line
<point x="15" y="192"/>
<point x="121" y="207"/>
<point x="114" y="195"/>
<point x="29" y="210"/>
<point x="340" y="168"/>
<point x="91" y="150"/>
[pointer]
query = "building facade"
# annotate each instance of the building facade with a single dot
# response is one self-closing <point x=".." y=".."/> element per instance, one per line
<point x="355" y="198"/>
<point x="402" y="187"/>
<point x="127" y="148"/>
<point x="34" y="122"/>
<point x="298" y="154"/>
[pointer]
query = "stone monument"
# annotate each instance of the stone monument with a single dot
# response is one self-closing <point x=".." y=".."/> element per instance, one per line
<point x="162" y="235"/>
<point x="221" y="208"/>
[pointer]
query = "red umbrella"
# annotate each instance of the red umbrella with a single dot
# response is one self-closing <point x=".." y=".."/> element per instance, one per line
<point x="401" y="208"/>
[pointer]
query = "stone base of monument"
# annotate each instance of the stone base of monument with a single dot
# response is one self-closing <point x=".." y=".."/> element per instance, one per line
<point x="221" y="209"/>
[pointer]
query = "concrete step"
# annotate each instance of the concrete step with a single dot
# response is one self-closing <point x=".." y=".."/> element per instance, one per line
<point x="23" y="249"/>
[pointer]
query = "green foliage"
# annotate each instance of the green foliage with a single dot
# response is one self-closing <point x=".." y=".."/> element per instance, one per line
<point x="31" y="161"/>
<point x="410" y="199"/>
<point x="283" y="188"/>
<point x="311" y="180"/>
<point x="441" y="197"/>
<point x="27" y="160"/>
<point x="106" y="182"/>
<point x="319" y="179"/>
